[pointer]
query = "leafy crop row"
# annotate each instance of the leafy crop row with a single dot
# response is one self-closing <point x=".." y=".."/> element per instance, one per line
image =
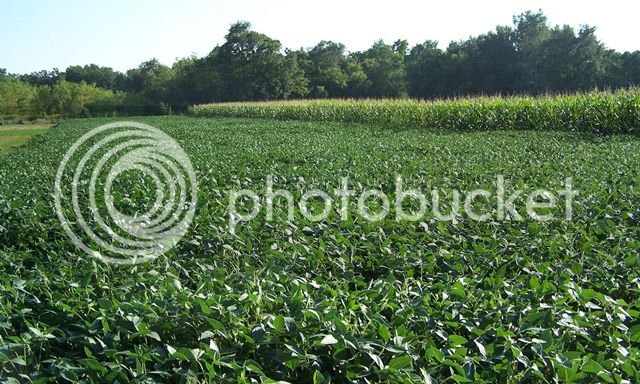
<point x="594" y="112"/>
<point x="333" y="301"/>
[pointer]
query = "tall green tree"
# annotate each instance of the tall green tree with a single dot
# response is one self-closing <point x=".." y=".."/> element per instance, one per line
<point x="326" y="70"/>
<point x="384" y="66"/>
<point x="151" y="79"/>
<point x="103" y="77"/>
<point x="493" y="62"/>
<point x="532" y="30"/>
<point x="252" y="66"/>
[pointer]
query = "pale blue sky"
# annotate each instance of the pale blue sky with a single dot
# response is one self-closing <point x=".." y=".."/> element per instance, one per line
<point x="38" y="34"/>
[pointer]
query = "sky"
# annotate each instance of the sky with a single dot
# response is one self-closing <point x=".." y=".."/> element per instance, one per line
<point x="39" y="34"/>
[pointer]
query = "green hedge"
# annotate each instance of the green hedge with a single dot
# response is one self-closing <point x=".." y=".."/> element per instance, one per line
<point x="603" y="112"/>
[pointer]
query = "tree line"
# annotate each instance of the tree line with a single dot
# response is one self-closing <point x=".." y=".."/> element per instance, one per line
<point x="530" y="57"/>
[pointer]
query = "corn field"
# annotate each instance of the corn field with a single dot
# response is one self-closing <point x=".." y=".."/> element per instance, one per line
<point x="599" y="112"/>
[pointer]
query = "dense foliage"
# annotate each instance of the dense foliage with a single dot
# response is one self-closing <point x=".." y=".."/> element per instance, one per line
<point x="530" y="57"/>
<point x="596" y="112"/>
<point x="22" y="101"/>
<point x="335" y="301"/>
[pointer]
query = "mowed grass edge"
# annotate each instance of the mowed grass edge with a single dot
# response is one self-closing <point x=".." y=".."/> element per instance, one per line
<point x="15" y="136"/>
